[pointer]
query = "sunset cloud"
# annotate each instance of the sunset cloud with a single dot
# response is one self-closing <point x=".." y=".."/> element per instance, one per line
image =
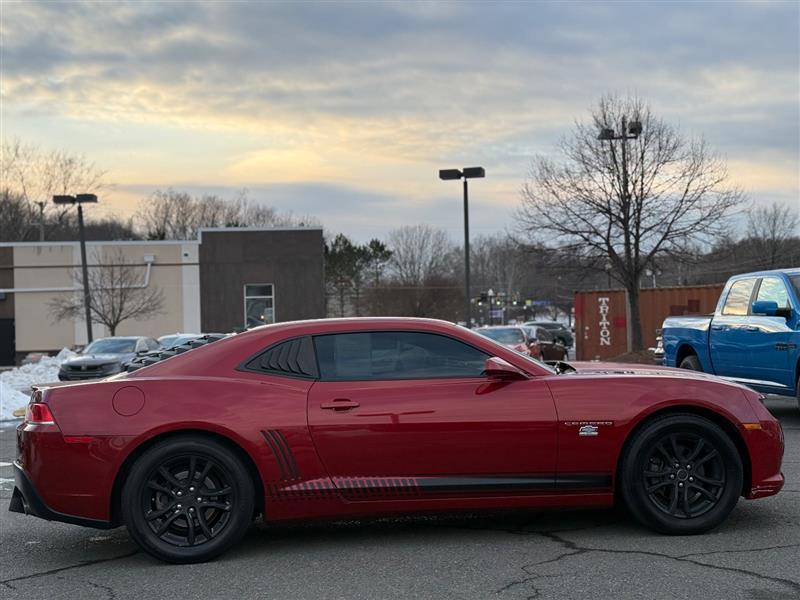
<point x="288" y="99"/>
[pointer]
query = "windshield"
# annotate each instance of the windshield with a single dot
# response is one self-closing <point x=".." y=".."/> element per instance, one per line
<point x="111" y="346"/>
<point x="511" y="335"/>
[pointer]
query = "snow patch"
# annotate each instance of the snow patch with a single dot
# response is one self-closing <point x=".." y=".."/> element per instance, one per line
<point x="15" y="384"/>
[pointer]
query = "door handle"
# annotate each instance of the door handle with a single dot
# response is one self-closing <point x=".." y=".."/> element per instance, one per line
<point x="750" y="328"/>
<point x="719" y="327"/>
<point x="340" y="404"/>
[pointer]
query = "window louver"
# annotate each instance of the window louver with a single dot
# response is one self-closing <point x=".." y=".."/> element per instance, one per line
<point x="294" y="358"/>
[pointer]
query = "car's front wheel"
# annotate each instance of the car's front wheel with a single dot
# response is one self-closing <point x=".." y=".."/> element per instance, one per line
<point x="681" y="474"/>
<point x="187" y="499"/>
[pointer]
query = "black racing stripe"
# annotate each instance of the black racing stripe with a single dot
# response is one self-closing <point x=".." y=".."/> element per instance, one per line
<point x="278" y="456"/>
<point x="490" y="483"/>
<point x="584" y="481"/>
<point x="363" y="488"/>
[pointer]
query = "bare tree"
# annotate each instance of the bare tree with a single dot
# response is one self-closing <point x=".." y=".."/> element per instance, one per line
<point x="419" y="252"/>
<point x="627" y="201"/>
<point x="17" y="216"/>
<point x="35" y="175"/>
<point x="117" y="293"/>
<point x="770" y="231"/>
<point x="420" y="274"/>
<point x="175" y="215"/>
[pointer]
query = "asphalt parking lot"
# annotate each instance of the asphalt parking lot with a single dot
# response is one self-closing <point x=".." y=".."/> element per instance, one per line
<point x="588" y="554"/>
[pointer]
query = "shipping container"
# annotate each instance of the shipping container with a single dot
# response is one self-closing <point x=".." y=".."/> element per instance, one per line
<point x="601" y="317"/>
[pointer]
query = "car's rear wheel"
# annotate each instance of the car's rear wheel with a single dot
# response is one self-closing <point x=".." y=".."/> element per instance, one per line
<point x="692" y="363"/>
<point x="681" y="475"/>
<point x="187" y="499"/>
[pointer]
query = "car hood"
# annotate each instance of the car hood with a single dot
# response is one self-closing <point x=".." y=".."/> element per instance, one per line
<point x="92" y="360"/>
<point x="609" y="368"/>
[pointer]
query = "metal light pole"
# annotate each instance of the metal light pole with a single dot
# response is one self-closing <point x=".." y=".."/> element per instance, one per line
<point x="80" y="199"/>
<point x="466" y="173"/>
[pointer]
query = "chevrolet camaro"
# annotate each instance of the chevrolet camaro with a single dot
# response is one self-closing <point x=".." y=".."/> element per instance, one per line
<point x="363" y="417"/>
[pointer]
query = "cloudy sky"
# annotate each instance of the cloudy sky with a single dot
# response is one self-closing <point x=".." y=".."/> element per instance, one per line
<point x="346" y="111"/>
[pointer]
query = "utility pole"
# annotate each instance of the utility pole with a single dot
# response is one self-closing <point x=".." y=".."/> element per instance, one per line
<point x="466" y="173"/>
<point x="79" y="199"/>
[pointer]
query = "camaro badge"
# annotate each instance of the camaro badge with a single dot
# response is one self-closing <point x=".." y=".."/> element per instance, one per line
<point x="588" y="428"/>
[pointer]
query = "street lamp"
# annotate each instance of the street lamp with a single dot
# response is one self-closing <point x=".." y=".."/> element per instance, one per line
<point x="466" y="173"/>
<point x="81" y="199"/>
<point x="630" y="131"/>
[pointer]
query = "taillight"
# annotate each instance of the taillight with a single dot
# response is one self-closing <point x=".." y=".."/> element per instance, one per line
<point x="38" y="413"/>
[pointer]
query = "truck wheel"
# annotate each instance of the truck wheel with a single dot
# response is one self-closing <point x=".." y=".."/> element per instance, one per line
<point x="692" y="363"/>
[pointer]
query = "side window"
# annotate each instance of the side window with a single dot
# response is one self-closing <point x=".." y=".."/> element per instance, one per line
<point x="543" y="335"/>
<point x="738" y="301"/>
<point x="384" y="355"/>
<point x="773" y="289"/>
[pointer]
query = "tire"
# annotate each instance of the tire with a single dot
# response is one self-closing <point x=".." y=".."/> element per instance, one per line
<point x="797" y="389"/>
<point x="692" y="363"/>
<point x="164" y="515"/>
<point x="668" y="499"/>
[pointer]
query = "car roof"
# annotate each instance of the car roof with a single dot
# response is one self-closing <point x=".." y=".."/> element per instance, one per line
<point x="792" y="271"/>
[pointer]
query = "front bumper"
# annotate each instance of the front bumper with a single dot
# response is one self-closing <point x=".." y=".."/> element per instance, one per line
<point x="25" y="499"/>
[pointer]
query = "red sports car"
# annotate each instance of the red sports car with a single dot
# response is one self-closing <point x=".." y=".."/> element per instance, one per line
<point x="359" y="417"/>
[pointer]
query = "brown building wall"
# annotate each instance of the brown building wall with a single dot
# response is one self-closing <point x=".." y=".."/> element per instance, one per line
<point x="290" y="260"/>
<point x="7" y="282"/>
<point x="7" y="325"/>
<point x="601" y="317"/>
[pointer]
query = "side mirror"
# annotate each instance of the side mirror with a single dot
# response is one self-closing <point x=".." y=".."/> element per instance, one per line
<point x="497" y="368"/>
<point x="769" y="308"/>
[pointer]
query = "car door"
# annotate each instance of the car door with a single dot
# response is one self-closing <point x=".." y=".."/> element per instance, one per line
<point x="729" y="338"/>
<point x="770" y="338"/>
<point x="398" y="413"/>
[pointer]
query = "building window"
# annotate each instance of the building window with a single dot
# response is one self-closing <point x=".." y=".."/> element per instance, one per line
<point x="259" y="304"/>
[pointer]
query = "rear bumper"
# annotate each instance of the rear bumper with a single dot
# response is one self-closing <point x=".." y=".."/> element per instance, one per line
<point x="25" y="499"/>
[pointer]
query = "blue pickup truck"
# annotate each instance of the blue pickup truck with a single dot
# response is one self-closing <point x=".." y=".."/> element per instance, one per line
<point x="753" y="337"/>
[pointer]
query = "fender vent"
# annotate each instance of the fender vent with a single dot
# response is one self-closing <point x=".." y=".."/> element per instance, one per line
<point x="283" y="454"/>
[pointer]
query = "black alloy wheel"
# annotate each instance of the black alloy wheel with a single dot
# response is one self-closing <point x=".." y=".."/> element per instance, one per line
<point x="187" y="499"/>
<point x="681" y="474"/>
<point x="684" y="476"/>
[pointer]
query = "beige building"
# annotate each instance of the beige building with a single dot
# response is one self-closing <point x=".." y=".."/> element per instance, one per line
<point x="243" y="272"/>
